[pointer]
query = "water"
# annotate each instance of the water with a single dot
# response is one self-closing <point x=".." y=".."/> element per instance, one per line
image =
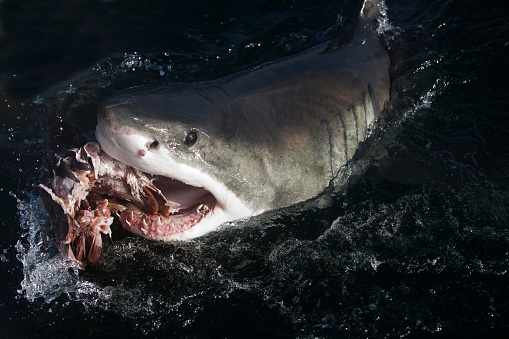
<point x="415" y="247"/>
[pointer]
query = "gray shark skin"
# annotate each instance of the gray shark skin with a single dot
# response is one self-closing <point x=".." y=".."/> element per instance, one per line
<point x="261" y="139"/>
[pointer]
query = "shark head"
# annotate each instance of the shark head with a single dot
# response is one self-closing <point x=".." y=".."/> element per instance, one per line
<point x="179" y="146"/>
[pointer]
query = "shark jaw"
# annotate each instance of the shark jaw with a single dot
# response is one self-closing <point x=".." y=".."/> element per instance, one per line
<point x="205" y="202"/>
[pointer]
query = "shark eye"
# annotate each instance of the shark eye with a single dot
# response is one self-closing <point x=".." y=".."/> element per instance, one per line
<point x="190" y="139"/>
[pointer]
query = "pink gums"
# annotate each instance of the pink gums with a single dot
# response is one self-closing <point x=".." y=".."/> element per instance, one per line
<point x="157" y="227"/>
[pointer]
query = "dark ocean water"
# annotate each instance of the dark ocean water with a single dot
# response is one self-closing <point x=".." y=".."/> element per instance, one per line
<point x="418" y="246"/>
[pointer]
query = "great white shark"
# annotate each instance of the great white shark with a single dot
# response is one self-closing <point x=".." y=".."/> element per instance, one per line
<point x="254" y="141"/>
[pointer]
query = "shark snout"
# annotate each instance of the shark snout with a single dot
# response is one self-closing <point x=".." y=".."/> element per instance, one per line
<point x="110" y="112"/>
<point x="123" y="133"/>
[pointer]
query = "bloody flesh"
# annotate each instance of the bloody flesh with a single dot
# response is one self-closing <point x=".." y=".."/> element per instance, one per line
<point x="88" y="188"/>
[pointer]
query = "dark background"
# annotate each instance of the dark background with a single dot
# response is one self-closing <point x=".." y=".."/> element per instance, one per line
<point x="418" y="246"/>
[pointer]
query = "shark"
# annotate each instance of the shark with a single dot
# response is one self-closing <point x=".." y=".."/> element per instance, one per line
<point x="254" y="141"/>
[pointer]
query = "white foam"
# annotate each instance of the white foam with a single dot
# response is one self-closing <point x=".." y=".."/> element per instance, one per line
<point x="46" y="273"/>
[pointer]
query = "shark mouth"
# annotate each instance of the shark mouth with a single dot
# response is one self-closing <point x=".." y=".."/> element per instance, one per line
<point x="88" y="188"/>
<point x="174" y="207"/>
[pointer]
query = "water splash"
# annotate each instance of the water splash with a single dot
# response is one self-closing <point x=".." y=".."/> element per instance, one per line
<point x="46" y="273"/>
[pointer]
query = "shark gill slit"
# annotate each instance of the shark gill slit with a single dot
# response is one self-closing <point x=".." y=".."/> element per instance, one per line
<point x="329" y="138"/>
<point x="369" y="105"/>
<point x="354" y="114"/>
<point x="345" y="137"/>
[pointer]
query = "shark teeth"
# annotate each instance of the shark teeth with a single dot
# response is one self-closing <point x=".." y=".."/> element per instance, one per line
<point x="202" y="209"/>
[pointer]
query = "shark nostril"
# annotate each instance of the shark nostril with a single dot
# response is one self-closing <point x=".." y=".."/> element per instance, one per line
<point x="154" y="144"/>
